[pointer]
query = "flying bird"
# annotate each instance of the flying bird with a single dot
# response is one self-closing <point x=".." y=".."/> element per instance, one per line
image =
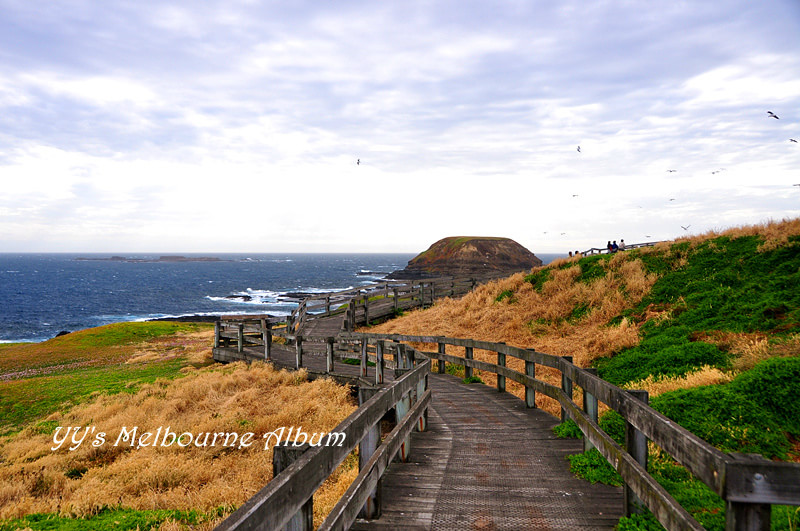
<point x="358" y="162"/>
<point x="793" y="140"/>
<point x="773" y="115"/>
<point x="671" y="171"/>
<point x="796" y="184"/>
<point x="579" y="149"/>
<point x="686" y="227"/>
<point x="574" y="195"/>
<point x="672" y="199"/>
<point x="647" y="236"/>
<point x="563" y="233"/>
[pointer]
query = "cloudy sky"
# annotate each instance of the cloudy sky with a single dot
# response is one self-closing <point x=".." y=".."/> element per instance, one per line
<point x="227" y="126"/>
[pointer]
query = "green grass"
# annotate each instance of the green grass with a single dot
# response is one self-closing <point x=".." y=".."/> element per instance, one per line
<point x="109" y="519"/>
<point x="592" y="267"/>
<point x="23" y="401"/>
<point x="593" y="467"/>
<point x="507" y="294"/>
<point x="538" y="278"/>
<point x="726" y="285"/>
<point x="355" y="361"/>
<point x="755" y="413"/>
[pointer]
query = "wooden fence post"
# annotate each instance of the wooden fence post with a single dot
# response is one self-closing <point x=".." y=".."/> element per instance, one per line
<point x="282" y="457"/>
<point x="566" y="386"/>
<point x="530" y="392"/>
<point x="440" y="363"/>
<point x="400" y="411"/>
<point x="217" y="327"/>
<point x="240" y="338"/>
<point x="364" y="358"/>
<point x="329" y="357"/>
<point x="590" y="408"/>
<point x="366" y="309"/>
<point x="636" y="446"/>
<point x="367" y="447"/>
<point x="268" y="341"/>
<point x="327" y="304"/>
<point x="400" y="358"/>
<point x="741" y="516"/>
<point x="379" y="346"/>
<point x="299" y="357"/>
<point x="266" y="338"/>
<point x="501" y="380"/>
<point x="467" y="355"/>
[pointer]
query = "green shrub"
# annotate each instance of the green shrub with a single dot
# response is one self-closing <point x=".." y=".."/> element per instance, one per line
<point x="472" y="379"/>
<point x="726" y="419"/>
<point x="506" y="294"/>
<point x="538" y="278"/>
<point x="593" y="467"/>
<point x="669" y="352"/>
<point x="568" y="430"/>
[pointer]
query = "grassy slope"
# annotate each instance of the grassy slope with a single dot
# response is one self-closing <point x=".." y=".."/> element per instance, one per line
<point x="706" y="324"/>
<point x="146" y="375"/>
<point x="41" y="378"/>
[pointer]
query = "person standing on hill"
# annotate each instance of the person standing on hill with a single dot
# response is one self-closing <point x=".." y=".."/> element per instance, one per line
<point x="622" y="245"/>
<point x="609" y="247"/>
<point x="614" y="246"/>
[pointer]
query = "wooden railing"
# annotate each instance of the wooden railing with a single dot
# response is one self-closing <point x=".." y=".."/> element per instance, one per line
<point x="364" y="304"/>
<point x="628" y="247"/>
<point x="289" y="496"/>
<point x="246" y="331"/>
<point x="748" y="483"/>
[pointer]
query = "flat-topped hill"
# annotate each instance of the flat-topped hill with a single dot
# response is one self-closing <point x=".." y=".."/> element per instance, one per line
<point x="469" y="255"/>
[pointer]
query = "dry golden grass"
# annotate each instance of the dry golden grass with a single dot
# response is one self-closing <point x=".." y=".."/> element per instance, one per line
<point x="775" y="233"/>
<point x="540" y="320"/>
<point x="87" y="348"/>
<point x="235" y="398"/>
<point x="705" y="376"/>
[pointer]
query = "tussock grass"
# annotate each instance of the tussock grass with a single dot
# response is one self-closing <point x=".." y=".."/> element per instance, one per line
<point x="99" y="346"/>
<point x="705" y="376"/>
<point x="238" y="397"/>
<point x="554" y="312"/>
<point x="95" y="363"/>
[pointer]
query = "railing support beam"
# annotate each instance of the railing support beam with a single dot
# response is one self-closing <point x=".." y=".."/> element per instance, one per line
<point x="299" y="350"/>
<point x="367" y="447"/>
<point x="566" y="386"/>
<point x="590" y="408"/>
<point x="282" y="457"/>
<point x="636" y="446"/>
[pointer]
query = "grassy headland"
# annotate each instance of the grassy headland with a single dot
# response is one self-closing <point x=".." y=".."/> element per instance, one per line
<point x="145" y="375"/>
<point x="709" y="325"/>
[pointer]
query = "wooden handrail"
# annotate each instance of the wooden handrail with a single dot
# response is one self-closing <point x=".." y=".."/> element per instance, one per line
<point x="274" y="505"/>
<point x="746" y="483"/>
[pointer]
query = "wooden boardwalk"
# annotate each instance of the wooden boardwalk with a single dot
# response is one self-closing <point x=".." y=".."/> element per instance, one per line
<point x="487" y="462"/>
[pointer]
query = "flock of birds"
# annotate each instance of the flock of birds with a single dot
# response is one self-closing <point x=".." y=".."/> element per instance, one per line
<point x="686" y="228"/>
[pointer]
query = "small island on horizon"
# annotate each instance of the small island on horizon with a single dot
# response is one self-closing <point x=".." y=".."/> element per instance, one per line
<point x="168" y="258"/>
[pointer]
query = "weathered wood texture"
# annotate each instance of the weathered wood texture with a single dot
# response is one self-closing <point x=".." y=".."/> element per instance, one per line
<point x="735" y="479"/>
<point x="488" y="462"/>
<point x="274" y="505"/>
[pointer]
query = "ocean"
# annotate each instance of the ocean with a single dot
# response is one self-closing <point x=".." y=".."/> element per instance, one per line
<point x="44" y="294"/>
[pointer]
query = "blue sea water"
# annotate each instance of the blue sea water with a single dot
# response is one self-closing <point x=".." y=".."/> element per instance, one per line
<point x="43" y="294"/>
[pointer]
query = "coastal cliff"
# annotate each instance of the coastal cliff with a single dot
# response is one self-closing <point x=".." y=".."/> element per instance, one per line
<point x="468" y="255"/>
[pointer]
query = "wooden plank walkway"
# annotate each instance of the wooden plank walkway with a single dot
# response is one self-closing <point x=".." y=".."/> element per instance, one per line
<point x="488" y="462"/>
